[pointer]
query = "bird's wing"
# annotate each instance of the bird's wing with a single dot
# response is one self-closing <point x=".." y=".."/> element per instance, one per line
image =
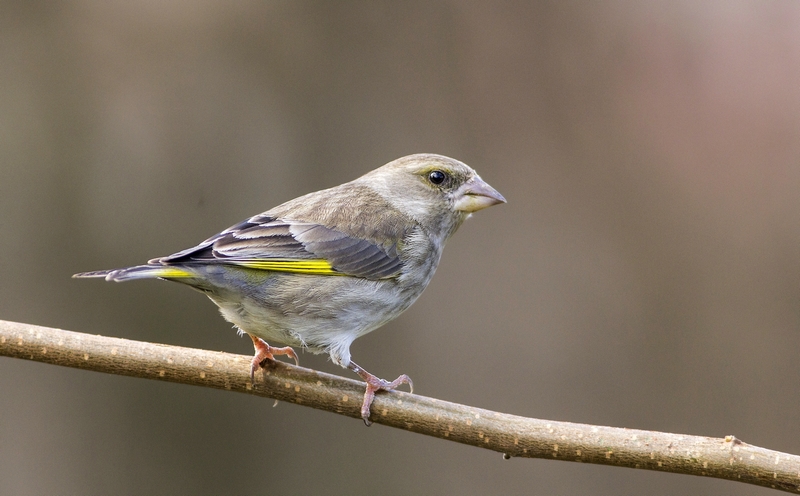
<point x="269" y="243"/>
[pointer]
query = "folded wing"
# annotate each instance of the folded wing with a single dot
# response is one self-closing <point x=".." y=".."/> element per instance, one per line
<point x="269" y="243"/>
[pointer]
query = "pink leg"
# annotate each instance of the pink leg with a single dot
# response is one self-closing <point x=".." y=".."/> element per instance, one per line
<point x="374" y="384"/>
<point x="265" y="351"/>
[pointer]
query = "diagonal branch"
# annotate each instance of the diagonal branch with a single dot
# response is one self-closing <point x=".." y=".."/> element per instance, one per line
<point x="727" y="458"/>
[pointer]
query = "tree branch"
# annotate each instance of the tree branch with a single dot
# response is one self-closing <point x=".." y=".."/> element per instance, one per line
<point x="724" y="458"/>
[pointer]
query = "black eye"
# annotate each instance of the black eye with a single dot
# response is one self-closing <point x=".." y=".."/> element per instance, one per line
<point x="437" y="177"/>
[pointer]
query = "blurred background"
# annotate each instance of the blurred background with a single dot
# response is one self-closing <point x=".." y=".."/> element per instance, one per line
<point x="645" y="272"/>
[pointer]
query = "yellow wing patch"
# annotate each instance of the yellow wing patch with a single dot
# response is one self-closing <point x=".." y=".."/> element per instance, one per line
<point x="316" y="267"/>
<point x="173" y="273"/>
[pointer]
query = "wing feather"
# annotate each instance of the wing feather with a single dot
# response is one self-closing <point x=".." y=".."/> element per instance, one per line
<point x="269" y="243"/>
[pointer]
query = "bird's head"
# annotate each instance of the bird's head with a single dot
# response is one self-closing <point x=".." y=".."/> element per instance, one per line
<point x="437" y="191"/>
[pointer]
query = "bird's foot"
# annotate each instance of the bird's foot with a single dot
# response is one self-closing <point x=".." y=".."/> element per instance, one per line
<point x="264" y="352"/>
<point x="374" y="384"/>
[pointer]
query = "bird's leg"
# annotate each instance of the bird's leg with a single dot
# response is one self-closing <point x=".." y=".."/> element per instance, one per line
<point x="374" y="384"/>
<point x="265" y="351"/>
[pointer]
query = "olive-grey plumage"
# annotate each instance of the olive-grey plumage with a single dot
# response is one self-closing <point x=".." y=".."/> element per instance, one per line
<point x="325" y="268"/>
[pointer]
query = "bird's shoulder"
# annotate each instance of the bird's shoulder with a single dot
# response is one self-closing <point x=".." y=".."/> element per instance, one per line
<point x="353" y="209"/>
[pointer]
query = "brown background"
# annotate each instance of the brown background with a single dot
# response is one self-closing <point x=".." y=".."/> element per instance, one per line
<point x="645" y="272"/>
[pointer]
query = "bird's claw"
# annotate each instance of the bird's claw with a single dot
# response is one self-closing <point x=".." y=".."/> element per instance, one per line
<point x="378" y="385"/>
<point x="267" y="352"/>
<point x="374" y="384"/>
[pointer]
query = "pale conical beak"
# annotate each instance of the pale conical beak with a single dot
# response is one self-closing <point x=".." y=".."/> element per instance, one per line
<point x="475" y="195"/>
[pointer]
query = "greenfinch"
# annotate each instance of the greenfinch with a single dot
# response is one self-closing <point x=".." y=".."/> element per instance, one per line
<point x="328" y="267"/>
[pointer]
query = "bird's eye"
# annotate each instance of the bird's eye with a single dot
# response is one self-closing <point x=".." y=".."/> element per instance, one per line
<point x="437" y="177"/>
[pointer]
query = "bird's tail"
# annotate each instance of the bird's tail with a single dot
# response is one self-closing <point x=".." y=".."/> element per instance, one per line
<point x="139" y="272"/>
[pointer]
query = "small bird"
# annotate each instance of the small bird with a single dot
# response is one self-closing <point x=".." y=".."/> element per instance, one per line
<point x="328" y="267"/>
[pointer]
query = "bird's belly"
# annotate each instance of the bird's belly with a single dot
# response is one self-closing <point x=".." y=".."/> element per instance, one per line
<point x="318" y="313"/>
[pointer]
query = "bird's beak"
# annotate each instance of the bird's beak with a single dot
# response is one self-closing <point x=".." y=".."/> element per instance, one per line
<point x="475" y="195"/>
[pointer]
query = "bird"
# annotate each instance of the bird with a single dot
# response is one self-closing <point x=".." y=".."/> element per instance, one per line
<point x="326" y="268"/>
